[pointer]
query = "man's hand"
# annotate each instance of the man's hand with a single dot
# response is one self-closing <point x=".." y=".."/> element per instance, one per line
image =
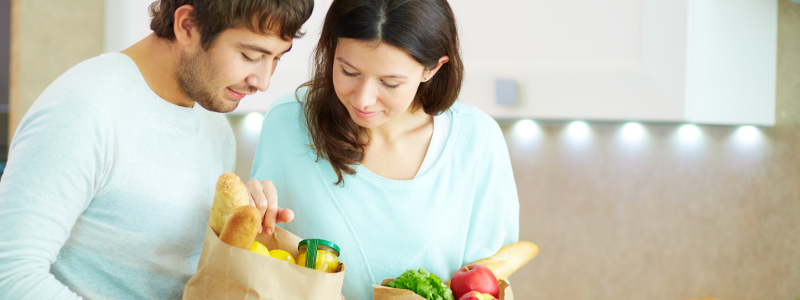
<point x="264" y="196"/>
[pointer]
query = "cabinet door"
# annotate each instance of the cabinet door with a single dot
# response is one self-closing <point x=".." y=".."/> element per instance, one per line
<point x="644" y="60"/>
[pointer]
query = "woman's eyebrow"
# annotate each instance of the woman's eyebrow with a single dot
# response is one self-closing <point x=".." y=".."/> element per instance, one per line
<point x="342" y="60"/>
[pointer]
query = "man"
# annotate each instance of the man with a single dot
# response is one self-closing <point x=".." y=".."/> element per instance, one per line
<point x="112" y="171"/>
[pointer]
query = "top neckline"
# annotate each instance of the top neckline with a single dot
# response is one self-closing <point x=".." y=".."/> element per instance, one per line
<point x="445" y="153"/>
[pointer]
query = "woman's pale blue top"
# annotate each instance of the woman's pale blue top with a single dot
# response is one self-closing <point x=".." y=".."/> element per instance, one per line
<point x="465" y="207"/>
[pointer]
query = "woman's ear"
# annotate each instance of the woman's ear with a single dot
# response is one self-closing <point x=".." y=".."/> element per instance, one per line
<point x="428" y="74"/>
<point x="184" y="26"/>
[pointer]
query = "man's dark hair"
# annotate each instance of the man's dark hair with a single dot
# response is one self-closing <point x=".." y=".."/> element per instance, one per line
<point x="284" y="17"/>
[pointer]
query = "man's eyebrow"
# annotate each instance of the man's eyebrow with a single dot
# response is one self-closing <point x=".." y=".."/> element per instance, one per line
<point x="262" y="50"/>
<point x="342" y="60"/>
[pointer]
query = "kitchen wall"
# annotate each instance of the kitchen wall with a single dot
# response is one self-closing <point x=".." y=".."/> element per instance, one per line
<point x="663" y="217"/>
<point x="47" y="38"/>
<point x="5" y="30"/>
<point x="667" y="215"/>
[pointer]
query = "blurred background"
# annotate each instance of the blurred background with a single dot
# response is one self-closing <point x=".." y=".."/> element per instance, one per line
<point x="655" y="144"/>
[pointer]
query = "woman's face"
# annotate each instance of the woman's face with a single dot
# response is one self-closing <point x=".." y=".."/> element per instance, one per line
<point x="375" y="81"/>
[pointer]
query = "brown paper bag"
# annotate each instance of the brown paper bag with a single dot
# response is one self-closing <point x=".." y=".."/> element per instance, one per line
<point x="382" y="292"/>
<point x="227" y="272"/>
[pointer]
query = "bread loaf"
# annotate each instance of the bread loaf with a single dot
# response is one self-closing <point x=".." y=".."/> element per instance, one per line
<point x="241" y="227"/>
<point x="509" y="258"/>
<point x="230" y="193"/>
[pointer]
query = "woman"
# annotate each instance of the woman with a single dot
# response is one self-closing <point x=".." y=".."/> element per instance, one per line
<point x="378" y="158"/>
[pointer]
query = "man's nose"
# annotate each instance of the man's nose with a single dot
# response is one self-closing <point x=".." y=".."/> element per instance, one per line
<point x="261" y="77"/>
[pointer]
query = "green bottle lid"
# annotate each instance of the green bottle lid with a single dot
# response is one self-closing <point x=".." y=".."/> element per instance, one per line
<point x="321" y="242"/>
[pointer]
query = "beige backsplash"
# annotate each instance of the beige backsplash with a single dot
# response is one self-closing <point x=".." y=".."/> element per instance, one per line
<point x="666" y="221"/>
<point x="660" y="220"/>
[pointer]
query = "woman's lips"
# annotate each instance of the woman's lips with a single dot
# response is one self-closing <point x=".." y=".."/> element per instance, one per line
<point x="365" y="115"/>
<point x="235" y="94"/>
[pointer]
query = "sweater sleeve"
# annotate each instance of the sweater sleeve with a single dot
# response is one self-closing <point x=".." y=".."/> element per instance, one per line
<point x="52" y="174"/>
<point x="495" y="213"/>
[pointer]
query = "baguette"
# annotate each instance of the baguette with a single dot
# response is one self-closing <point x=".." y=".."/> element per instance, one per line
<point x="509" y="258"/>
<point x="230" y="193"/>
<point x="241" y="227"/>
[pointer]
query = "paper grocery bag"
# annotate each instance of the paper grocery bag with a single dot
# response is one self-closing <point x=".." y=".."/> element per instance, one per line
<point x="382" y="292"/>
<point x="227" y="272"/>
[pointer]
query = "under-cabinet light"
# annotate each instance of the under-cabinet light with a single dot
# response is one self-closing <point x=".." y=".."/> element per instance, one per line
<point x="633" y="131"/>
<point x="252" y="122"/>
<point x="578" y="130"/>
<point x="748" y="134"/>
<point x="526" y="129"/>
<point x="689" y="133"/>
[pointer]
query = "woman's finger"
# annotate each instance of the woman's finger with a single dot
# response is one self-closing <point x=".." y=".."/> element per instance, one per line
<point x="257" y="197"/>
<point x="271" y="214"/>
<point x="284" y="215"/>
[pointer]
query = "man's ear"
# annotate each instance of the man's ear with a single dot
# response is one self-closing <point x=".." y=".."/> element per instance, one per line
<point x="184" y="26"/>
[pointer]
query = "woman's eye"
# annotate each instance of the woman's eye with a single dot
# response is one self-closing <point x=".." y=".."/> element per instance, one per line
<point x="348" y="74"/>
<point x="391" y="86"/>
<point x="250" y="59"/>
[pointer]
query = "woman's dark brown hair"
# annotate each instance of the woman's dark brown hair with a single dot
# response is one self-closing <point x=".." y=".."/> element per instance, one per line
<point x="425" y="29"/>
<point x="215" y="16"/>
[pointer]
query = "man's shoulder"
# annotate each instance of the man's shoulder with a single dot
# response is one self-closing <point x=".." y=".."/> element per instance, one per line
<point x="102" y="78"/>
<point x="104" y="67"/>
<point x="90" y="91"/>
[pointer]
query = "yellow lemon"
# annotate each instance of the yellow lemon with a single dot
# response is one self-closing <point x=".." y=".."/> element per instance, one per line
<point x="282" y="255"/>
<point x="260" y="248"/>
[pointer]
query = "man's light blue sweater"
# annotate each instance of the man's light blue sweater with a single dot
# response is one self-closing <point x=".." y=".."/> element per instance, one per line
<point x="108" y="188"/>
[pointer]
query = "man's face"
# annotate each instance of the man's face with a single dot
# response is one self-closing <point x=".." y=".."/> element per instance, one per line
<point x="238" y="63"/>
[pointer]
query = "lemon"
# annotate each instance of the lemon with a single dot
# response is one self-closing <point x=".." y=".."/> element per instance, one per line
<point x="259" y="248"/>
<point x="282" y="255"/>
<point x="326" y="261"/>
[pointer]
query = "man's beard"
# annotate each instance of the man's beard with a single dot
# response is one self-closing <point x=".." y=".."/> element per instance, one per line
<point x="196" y="78"/>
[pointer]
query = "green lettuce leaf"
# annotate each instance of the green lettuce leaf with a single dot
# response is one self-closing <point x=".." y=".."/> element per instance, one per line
<point x="423" y="283"/>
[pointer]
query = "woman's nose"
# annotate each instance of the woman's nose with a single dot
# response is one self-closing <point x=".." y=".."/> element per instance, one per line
<point x="366" y="94"/>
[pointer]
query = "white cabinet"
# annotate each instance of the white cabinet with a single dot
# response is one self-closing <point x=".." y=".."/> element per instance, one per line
<point x="700" y="61"/>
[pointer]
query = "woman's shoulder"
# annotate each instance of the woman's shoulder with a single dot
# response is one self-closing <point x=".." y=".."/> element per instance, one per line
<point x="285" y="120"/>
<point x="472" y="119"/>
<point x="287" y="104"/>
<point x="286" y="113"/>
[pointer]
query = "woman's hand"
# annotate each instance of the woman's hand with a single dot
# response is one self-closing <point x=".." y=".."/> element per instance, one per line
<point x="264" y="196"/>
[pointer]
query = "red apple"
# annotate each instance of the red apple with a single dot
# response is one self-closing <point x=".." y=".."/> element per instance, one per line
<point x="474" y="277"/>
<point x="477" y="296"/>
